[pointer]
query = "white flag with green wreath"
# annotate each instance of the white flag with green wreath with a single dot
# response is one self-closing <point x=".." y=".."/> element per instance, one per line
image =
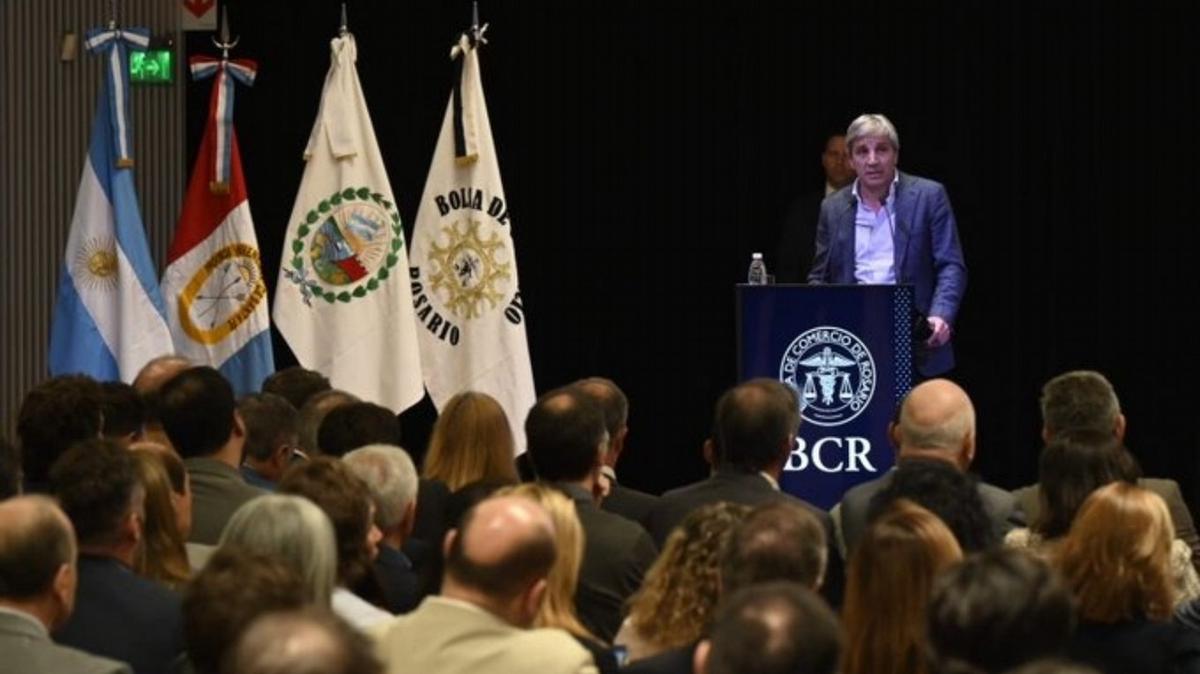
<point x="343" y="301"/>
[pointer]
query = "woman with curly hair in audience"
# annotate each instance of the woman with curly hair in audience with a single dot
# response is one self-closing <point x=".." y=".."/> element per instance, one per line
<point x="471" y="442"/>
<point x="558" y="604"/>
<point x="681" y="589"/>
<point x="888" y="586"/>
<point x="162" y="555"/>
<point x="1116" y="559"/>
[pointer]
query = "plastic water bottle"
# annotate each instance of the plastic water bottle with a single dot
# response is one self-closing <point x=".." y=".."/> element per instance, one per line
<point x="757" y="275"/>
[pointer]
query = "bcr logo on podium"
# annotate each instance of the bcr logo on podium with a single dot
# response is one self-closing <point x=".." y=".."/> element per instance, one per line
<point x="833" y="374"/>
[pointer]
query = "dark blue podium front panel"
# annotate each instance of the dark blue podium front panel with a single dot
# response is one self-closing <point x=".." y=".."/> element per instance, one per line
<point x="847" y="350"/>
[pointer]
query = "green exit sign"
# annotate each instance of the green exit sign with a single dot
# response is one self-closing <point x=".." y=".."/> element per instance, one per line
<point x="153" y="66"/>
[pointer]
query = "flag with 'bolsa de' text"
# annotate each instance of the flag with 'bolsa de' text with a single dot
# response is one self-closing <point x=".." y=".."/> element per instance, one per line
<point x="464" y="266"/>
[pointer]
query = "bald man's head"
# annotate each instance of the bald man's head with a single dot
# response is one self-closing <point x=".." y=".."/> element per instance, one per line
<point x="505" y="545"/>
<point x="313" y="641"/>
<point x="36" y="539"/>
<point x="938" y="420"/>
<point x="158" y="372"/>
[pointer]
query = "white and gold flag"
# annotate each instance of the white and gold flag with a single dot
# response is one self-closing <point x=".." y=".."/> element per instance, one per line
<point x="463" y="264"/>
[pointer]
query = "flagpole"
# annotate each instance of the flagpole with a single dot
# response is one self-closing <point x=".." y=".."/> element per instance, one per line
<point x="344" y="27"/>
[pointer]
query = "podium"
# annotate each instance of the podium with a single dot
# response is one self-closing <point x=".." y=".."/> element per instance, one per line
<point x="847" y="350"/>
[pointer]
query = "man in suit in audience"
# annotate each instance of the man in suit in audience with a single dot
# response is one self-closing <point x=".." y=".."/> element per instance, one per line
<point x="936" y="422"/>
<point x="774" y="627"/>
<point x="628" y="503"/>
<point x="271" y="438"/>
<point x="392" y="479"/>
<point x="118" y="614"/>
<point x="37" y="591"/>
<point x="200" y="416"/>
<point x="147" y="383"/>
<point x="754" y="430"/>
<point x="1085" y="400"/>
<point x="496" y="567"/>
<point x="777" y="541"/>
<point x="566" y="440"/>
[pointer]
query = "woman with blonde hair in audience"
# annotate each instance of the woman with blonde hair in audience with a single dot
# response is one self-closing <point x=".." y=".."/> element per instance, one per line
<point x="162" y="555"/>
<point x="681" y="589"/>
<point x="1071" y="467"/>
<point x="471" y="441"/>
<point x="293" y="529"/>
<point x="558" y="604"/>
<point x="888" y="586"/>
<point x="1116" y="559"/>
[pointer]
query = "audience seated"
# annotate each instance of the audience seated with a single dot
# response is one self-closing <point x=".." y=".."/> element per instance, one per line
<point x="162" y="556"/>
<point x="1085" y="400"/>
<point x="354" y="425"/>
<point x="148" y="383"/>
<point x="497" y="564"/>
<point x="471" y="441"/>
<point x="558" y="604"/>
<point x="772" y="628"/>
<point x="293" y="530"/>
<point x="123" y="410"/>
<point x="777" y="541"/>
<point x="888" y="584"/>
<point x="936" y="423"/>
<point x="346" y="500"/>
<point x="296" y="384"/>
<point x="947" y="492"/>
<point x="679" y="594"/>
<point x="1073" y="465"/>
<point x="566" y="439"/>
<point x="37" y="591"/>
<point x="118" y="614"/>
<point x="628" y="503"/>
<point x="200" y="416"/>
<point x="311" y="641"/>
<point x="1116" y="559"/>
<point x="272" y="437"/>
<point x="754" y="430"/>
<point x="313" y="412"/>
<point x="234" y="588"/>
<point x="54" y="415"/>
<point x="391" y="477"/>
<point x="997" y="610"/>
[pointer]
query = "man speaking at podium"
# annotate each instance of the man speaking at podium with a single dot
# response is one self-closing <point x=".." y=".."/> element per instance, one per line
<point x="889" y="227"/>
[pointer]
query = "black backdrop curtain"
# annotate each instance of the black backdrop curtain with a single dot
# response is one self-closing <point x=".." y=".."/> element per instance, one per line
<point x="648" y="148"/>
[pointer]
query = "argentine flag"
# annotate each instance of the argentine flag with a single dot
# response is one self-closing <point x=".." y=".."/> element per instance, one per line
<point x="216" y="298"/>
<point x="108" y="318"/>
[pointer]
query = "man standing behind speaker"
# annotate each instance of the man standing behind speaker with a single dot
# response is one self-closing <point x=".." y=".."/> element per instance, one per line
<point x="800" y="223"/>
<point x="891" y="227"/>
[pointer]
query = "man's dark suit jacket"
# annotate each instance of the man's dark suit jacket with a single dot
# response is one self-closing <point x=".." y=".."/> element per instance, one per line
<point x="674" y="661"/>
<point x="745" y="488"/>
<point x="123" y="616"/>
<point x="629" y="503"/>
<point x="1001" y="507"/>
<point x="927" y="254"/>
<point x="796" y="238"/>
<point x="397" y="579"/>
<point x="616" y="555"/>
